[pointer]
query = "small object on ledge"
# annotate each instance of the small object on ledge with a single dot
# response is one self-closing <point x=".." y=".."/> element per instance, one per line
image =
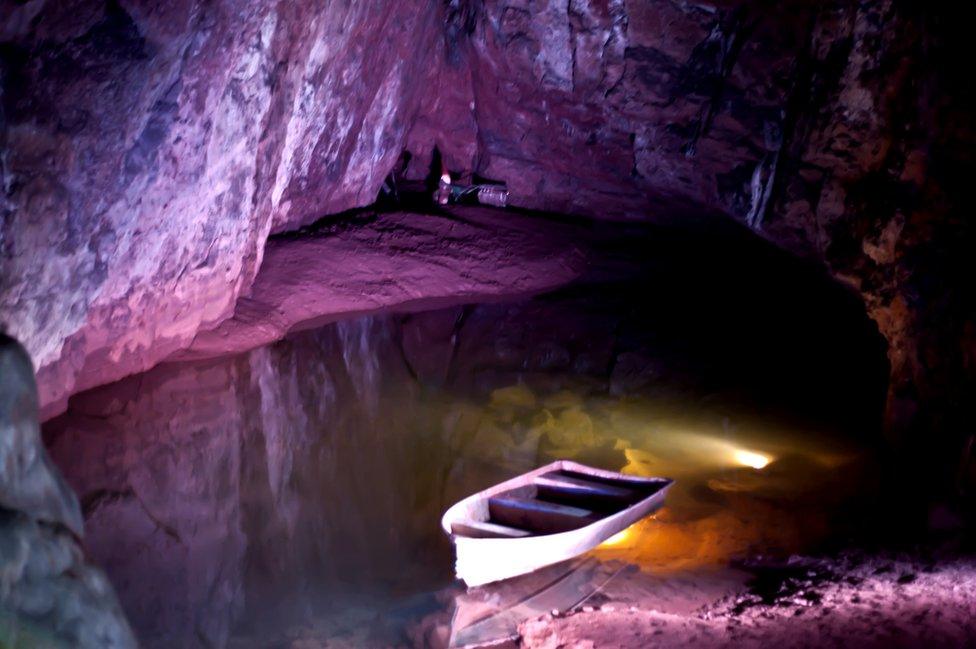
<point x="554" y="513"/>
<point x="483" y="193"/>
<point x="444" y="189"/>
<point x="496" y="195"/>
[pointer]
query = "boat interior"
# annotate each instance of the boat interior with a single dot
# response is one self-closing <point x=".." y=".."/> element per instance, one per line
<point x="554" y="502"/>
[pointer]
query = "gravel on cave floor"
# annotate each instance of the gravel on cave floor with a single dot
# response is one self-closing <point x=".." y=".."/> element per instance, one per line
<point x="853" y="600"/>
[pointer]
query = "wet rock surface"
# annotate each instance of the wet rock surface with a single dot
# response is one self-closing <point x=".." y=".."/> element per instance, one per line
<point x="50" y="595"/>
<point x="851" y="600"/>
<point x="841" y="130"/>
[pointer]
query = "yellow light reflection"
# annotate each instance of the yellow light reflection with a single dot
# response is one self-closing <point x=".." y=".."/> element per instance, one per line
<point x="619" y="538"/>
<point x="751" y="458"/>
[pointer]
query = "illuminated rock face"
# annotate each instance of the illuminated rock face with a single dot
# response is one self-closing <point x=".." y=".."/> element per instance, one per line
<point x="401" y="261"/>
<point x="148" y="151"/>
<point x="838" y="130"/>
<point x="627" y="109"/>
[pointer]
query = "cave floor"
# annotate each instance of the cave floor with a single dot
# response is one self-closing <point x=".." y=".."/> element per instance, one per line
<point x="848" y="600"/>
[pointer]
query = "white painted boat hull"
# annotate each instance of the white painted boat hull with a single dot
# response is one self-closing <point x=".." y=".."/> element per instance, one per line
<point x="484" y="560"/>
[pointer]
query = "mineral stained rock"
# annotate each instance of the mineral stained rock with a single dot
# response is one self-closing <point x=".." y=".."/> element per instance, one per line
<point x="840" y="130"/>
<point x="404" y="261"/>
<point x="49" y="595"/>
<point x="148" y="151"/>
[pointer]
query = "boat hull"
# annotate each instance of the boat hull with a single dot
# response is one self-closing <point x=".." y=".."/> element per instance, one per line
<point x="484" y="560"/>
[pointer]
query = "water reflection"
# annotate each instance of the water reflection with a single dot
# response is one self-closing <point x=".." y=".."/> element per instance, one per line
<point x="243" y="491"/>
<point x="299" y="486"/>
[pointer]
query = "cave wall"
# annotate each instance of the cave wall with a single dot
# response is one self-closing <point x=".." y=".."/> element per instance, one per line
<point x="873" y="184"/>
<point x="628" y="109"/>
<point x="50" y="593"/>
<point x="149" y="150"/>
<point x="842" y="131"/>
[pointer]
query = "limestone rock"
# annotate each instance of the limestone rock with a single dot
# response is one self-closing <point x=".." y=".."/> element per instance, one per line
<point x="148" y="150"/>
<point x="49" y="595"/>
<point x="29" y="482"/>
<point x="399" y="261"/>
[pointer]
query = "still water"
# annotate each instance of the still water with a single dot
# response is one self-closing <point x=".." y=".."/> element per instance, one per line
<point x="297" y="488"/>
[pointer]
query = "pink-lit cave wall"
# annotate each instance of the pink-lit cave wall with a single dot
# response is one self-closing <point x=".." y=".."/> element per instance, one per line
<point x="149" y="149"/>
<point x="194" y="179"/>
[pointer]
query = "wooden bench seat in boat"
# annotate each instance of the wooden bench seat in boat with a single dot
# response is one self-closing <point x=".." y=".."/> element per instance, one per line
<point x="637" y="483"/>
<point x="538" y="516"/>
<point x="485" y="530"/>
<point x="560" y="487"/>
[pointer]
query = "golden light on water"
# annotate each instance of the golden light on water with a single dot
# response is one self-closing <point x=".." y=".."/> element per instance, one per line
<point x="751" y="458"/>
<point x="727" y="499"/>
<point x="619" y="538"/>
<point x="679" y="451"/>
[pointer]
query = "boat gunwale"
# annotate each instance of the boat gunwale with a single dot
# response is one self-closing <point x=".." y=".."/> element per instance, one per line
<point x="526" y="479"/>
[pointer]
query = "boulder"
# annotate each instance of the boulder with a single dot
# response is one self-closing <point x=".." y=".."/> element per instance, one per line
<point x="50" y="596"/>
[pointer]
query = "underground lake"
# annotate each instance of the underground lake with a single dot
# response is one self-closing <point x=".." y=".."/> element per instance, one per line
<point x="297" y="488"/>
<point x="536" y="324"/>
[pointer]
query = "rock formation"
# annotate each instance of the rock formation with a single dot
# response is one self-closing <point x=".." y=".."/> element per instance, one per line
<point x="401" y="261"/>
<point x="49" y="595"/>
<point x="842" y="131"/>
<point x="148" y="151"/>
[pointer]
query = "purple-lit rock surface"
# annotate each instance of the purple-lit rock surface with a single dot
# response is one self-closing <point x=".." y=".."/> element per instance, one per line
<point x="398" y="261"/>
<point x="840" y="130"/>
<point x="874" y="602"/>
<point x="149" y="150"/>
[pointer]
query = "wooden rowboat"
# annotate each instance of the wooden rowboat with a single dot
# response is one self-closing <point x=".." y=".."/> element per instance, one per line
<point x="548" y="515"/>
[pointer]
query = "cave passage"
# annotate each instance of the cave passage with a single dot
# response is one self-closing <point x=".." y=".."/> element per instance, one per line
<point x="280" y="282"/>
<point x="295" y="490"/>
